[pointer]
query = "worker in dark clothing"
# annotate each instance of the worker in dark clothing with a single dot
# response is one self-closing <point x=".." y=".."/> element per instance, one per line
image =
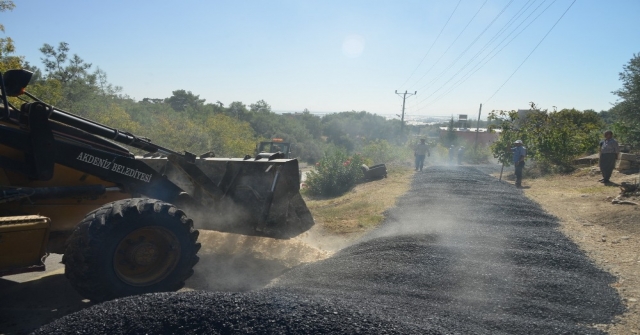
<point x="519" y="154"/>
<point x="609" y="150"/>
<point x="419" y="151"/>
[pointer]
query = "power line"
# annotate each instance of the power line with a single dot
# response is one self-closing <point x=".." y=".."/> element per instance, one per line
<point x="452" y="43"/>
<point x="432" y="44"/>
<point x="469" y="47"/>
<point x="519" y="13"/>
<point x="513" y="19"/>
<point x="534" y="49"/>
<point x="493" y="53"/>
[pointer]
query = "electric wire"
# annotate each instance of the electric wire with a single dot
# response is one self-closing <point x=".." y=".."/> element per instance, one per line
<point x="452" y="43"/>
<point x="534" y="49"/>
<point x="482" y="63"/>
<point x="513" y="19"/>
<point x="516" y="16"/>
<point x="467" y="49"/>
<point x="432" y="44"/>
<point x="493" y="53"/>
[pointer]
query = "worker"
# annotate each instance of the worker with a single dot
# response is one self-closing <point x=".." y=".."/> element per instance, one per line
<point x="609" y="150"/>
<point x="519" y="154"/>
<point x="419" y="153"/>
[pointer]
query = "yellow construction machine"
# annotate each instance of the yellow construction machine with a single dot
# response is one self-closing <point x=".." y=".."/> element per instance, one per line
<point x="72" y="186"/>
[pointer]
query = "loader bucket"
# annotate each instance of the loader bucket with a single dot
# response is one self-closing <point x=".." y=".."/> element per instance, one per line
<point x="251" y="196"/>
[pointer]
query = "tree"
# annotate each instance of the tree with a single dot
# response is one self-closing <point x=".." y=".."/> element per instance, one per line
<point x="6" y="44"/>
<point x="553" y="139"/>
<point x="57" y="67"/>
<point x="181" y="100"/>
<point x="7" y="48"/>
<point x="345" y="128"/>
<point x="77" y="82"/>
<point x="312" y="123"/>
<point x="238" y="110"/>
<point x="627" y="109"/>
<point x="336" y="132"/>
<point x="228" y="137"/>
<point x="106" y="89"/>
<point x="260" y="106"/>
<point x="451" y="138"/>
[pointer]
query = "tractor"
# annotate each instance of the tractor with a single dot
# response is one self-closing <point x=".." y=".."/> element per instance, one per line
<point x="276" y="145"/>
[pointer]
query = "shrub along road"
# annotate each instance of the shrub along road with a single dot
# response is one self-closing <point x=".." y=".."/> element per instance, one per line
<point x="461" y="253"/>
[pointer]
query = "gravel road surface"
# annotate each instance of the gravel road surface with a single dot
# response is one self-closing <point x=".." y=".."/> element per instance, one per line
<point x="461" y="254"/>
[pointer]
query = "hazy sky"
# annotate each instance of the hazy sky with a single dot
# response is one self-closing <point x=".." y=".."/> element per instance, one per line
<point x="340" y="55"/>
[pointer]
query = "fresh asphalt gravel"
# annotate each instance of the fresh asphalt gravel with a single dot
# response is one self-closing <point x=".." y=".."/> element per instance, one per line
<point x="462" y="253"/>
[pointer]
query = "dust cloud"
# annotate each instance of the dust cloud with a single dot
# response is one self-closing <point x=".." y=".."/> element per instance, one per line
<point x="453" y="226"/>
<point x="237" y="263"/>
<point x="233" y="260"/>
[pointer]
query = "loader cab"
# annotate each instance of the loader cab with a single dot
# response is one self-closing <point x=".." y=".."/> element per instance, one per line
<point x="275" y="145"/>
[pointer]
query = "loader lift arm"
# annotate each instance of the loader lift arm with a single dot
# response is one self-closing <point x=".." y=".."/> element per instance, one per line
<point x="137" y="238"/>
<point x="49" y="136"/>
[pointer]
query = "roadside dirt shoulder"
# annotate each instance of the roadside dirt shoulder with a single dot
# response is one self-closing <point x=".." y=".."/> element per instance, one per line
<point x="608" y="233"/>
<point x="341" y="220"/>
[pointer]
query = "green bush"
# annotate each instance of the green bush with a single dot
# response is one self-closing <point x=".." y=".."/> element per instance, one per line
<point x="382" y="152"/>
<point x="553" y="139"/>
<point x="335" y="174"/>
<point x="477" y="154"/>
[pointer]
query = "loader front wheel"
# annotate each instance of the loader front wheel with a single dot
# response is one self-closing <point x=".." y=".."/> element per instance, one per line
<point x="131" y="247"/>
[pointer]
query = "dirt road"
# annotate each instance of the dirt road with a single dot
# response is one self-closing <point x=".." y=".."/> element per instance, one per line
<point x="607" y="232"/>
<point x="461" y="253"/>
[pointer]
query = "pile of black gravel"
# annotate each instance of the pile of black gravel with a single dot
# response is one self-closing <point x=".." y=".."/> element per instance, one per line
<point x="462" y="253"/>
<point x="198" y="312"/>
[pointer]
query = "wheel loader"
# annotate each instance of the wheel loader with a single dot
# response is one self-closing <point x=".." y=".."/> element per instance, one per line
<point x="276" y="145"/>
<point x="72" y="186"/>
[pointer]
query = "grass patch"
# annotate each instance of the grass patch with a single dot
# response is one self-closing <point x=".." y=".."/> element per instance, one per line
<point x="361" y="208"/>
<point x="583" y="172"/>
<point x="594" y="190"/>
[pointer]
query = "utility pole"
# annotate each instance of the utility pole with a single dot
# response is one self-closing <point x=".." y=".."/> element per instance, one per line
<point x="478" y="125"/>
<point x="404" y="98"/>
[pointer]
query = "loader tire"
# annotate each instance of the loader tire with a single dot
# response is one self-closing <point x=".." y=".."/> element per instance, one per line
<point x="130" y="247"/>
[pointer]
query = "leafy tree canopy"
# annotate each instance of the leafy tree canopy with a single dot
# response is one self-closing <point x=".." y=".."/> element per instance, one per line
<point x="7" y="58"/>
<point x="627" y="109"/>
<point x="182" y="100"/>
<point x="553" y="139"/>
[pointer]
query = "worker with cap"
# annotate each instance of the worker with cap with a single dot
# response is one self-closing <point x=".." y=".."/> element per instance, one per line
<point x="419" y="151"/>
<point x="609" y="150"/>
<point x="519" y="154"/>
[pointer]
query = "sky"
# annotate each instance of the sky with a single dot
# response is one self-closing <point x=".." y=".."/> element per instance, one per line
<point x="342" y="55"/>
